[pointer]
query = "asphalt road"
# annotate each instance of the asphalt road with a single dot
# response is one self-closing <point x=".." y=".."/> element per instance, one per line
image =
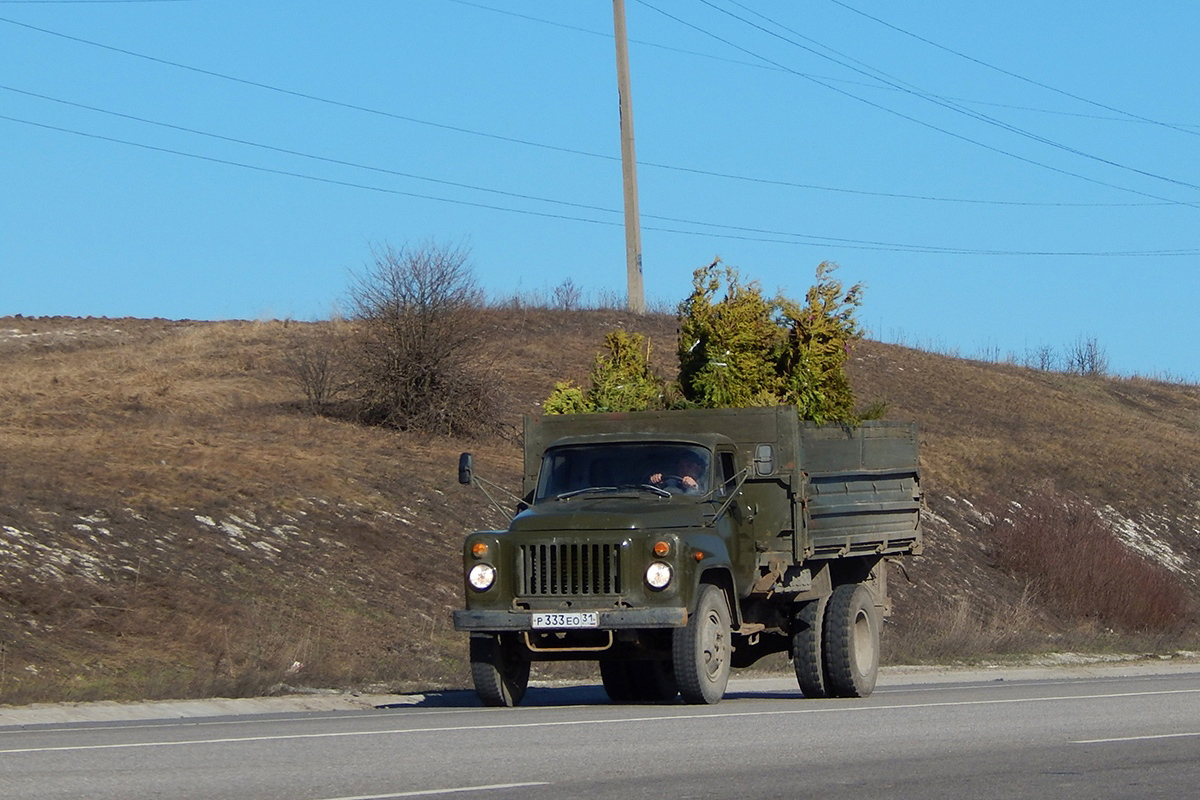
<point x="1102" y="737"/>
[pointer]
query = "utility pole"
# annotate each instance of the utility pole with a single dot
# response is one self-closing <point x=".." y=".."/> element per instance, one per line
<point x="633" y="225"/>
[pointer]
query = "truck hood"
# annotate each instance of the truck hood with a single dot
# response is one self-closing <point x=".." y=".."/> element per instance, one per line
<point x="610" y="513"/>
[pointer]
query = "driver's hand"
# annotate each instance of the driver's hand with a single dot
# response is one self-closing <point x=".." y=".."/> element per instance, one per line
<point x="690" y="482"/>
<point x="656" y="478"/>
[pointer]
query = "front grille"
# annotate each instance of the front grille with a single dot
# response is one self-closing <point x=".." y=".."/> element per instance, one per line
<point x="570" y="569"/>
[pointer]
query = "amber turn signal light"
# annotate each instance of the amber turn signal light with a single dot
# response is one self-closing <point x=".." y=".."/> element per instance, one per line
<point x="699" y="555"/>
<point x="662" y="548"/>
<point x="479" y="549"/>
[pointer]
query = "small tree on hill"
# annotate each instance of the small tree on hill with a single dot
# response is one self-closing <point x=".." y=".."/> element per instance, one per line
<point x="316" y="362"/>
<point x="416" y="354"/>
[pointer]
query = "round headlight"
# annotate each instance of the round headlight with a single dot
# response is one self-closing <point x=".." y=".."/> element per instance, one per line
<point x="482" y="576"/>
<point x="658" y="575"/>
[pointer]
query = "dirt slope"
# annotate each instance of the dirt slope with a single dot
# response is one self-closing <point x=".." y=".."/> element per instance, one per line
<point x="173" y="525"/>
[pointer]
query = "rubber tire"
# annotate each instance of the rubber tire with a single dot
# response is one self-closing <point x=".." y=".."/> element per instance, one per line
<point x="807" y="650"/>
<point x="702" y="649"/>
<point x="851" y="641"/>
<point x="653" y="681"/>
<point x="499" y="670"/>
<point x="642" y="681"/>
<point x="618" y="682"/>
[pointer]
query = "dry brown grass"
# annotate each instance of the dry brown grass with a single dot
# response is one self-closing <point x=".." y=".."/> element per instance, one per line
<point x="173" y="524"/>
<point x="1076" y="564"/>
<point x="955" y="629"/>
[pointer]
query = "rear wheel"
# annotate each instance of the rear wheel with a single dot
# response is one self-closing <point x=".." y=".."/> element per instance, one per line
<point x="807" y="652"/>
<point x="701" y="649"/>
<point x="499" y="669"/>
<point x="851" y="641"/>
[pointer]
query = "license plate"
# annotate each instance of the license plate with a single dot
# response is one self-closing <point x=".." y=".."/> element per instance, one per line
<point x="571" y="619"/>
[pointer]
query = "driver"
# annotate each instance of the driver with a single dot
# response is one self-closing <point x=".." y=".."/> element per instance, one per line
<point x="686" y="478"/>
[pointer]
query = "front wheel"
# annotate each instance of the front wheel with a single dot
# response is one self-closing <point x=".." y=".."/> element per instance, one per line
<point x="701" y="650"/>
<point x="500" y="670"/>
<point x="851" y="641"/>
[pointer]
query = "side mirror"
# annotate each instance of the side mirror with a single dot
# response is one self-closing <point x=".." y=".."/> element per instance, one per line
<point x="764" y="460"/>
<point x="465" y="465"/>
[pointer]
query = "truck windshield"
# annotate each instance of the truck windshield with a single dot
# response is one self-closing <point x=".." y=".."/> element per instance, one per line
<point x="674" y="468"/>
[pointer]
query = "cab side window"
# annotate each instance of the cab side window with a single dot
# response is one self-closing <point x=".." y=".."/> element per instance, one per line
<point x="727" y="473"/>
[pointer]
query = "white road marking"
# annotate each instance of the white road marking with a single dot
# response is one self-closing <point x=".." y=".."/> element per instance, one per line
<point x="201" y="722"/>
<point x="1138" y="738"/>
<point x="715" y="714"/>
<point x="414" y="710"/>
<point x="455" y="790"/>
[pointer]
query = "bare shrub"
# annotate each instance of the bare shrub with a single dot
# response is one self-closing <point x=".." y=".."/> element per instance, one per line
<point x="1085" y="356"/>
<point x="1076" y="565"/>
<point x="567" y="296"/>
<point x="420" y="327"/>
<point x="316" y="363"/>
<point x="1042" y="357"/>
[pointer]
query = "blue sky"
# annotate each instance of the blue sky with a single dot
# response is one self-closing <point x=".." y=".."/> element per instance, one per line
<point x="1002" y="177"/>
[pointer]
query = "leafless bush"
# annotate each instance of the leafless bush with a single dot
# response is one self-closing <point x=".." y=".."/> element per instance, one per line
<point x="1042" y="357"/>
<point x="1086" y="357"/>
<point x="1076" y="564"/>
<point x="418" y="342"/>
<point x="567" y="296"/>
<point x="316" y="363"/>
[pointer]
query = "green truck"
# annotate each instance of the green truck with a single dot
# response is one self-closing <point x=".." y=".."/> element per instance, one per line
<point x="671" y="546"/>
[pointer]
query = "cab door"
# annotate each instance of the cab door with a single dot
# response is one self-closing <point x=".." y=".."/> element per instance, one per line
<point x="739" y="524"/>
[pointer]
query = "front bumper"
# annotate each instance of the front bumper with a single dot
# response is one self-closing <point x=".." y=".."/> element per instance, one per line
<point x="609" y="620"/>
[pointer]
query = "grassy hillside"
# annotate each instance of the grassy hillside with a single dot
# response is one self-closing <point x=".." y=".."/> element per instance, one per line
<point x="173" y="524"/>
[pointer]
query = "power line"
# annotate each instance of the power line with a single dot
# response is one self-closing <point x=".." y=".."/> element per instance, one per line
<point x="1056" y="111"/>
<point x="567" y="150"/>
<point x="605" y="35"/>
<point x="288" y="173"/>
<point x="285" y="151"/>
<point x="303" y="95"/>
<point x="86" y="2"/>
<point x="734" y="232"/>
<point x="773" y="68"/>
<point x="909" y="117"/>
<point x="917" y="92"/>
<point x="1019" y="77"/>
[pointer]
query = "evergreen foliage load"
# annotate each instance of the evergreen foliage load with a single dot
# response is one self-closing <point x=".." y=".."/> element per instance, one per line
<point x="621" y="378"/>
<point x="737" y="349"/>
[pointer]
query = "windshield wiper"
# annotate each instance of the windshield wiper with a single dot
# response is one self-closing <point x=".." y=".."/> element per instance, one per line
<point x="587" y="490"/>
<point x="602" y="489"/>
